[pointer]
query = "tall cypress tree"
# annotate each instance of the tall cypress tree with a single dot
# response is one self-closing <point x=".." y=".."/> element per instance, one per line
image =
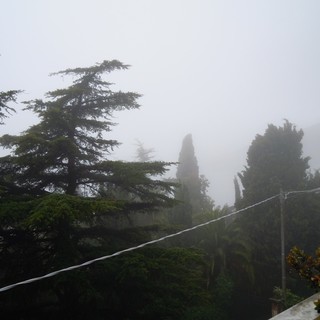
<point x="188" y="169"/>
<point x="237" y="191"/>
<point x="192" y="190"/>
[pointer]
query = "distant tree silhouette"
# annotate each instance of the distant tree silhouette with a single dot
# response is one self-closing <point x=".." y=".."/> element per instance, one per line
<point x="143" y="154"/>
<point x="237" y="191"/>
<point x="193" y="188"/>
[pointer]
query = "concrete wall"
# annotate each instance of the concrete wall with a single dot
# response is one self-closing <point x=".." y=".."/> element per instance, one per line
<point x="301" y="311"/>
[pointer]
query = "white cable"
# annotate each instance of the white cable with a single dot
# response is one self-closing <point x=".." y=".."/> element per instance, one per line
<point x="54" y="273"/>
<point x="303" y="191"/>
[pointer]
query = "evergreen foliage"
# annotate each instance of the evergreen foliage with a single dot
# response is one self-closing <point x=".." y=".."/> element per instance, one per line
<point x="275" y="160"/>
<point x="192" y="192"/>
<point x="60" y="195"/>
<point x="228" y="249"/>
<point x="188" y="169"/>
<point x="5" y="98"/>
<point x="63" y="202"/>
<point x="237" y="191"/>
<point x="143" y="154"/>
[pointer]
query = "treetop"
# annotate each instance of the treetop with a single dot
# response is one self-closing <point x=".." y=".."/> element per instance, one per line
<point x="99" y="68"/>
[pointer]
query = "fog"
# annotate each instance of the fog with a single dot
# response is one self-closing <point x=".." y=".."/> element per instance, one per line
<point x="220" y="70"/>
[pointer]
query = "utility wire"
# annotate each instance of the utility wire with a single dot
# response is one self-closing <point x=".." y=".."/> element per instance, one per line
<point x="51" y="274"/>
<point x="315" y="190"/>
<point x="54" y="273"/>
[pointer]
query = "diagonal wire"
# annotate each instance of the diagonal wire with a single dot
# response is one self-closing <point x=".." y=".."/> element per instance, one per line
<point x="54" y="273"/>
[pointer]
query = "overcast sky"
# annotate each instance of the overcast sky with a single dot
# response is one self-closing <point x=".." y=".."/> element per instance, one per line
<point x="220" y="70"/>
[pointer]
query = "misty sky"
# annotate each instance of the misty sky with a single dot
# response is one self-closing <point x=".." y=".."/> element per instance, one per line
<point x="221" y="70"/>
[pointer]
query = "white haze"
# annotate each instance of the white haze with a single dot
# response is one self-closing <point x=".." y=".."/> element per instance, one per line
<point x="221" y="70"/>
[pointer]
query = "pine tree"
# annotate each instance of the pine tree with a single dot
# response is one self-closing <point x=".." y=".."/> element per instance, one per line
<point x="143" y="154"/>
<point x="67" y="151"/>
<point x="56" y="208"/>
<point x="5" y="98"/>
